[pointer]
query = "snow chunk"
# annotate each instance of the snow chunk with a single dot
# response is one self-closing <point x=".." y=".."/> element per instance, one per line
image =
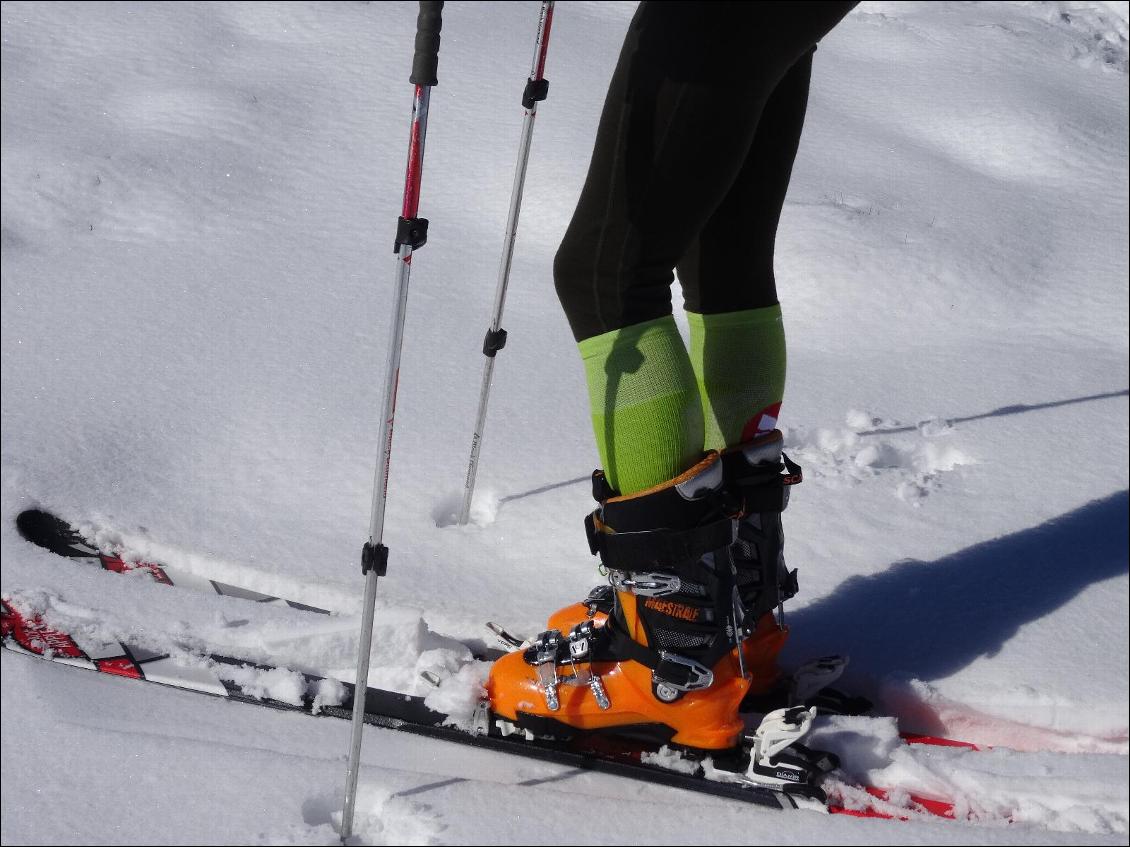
<point x="285" y="686"/>
<point x="460" y="694"/>
<point x="669" y="759"/>
<point x="329" y="692"/>
<point x="383" y="815"/>
<point x="484" y="508"/>
<point x="874" y="447"/>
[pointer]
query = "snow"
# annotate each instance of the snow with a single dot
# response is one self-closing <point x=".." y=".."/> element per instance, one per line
<point x="197" y="211"/>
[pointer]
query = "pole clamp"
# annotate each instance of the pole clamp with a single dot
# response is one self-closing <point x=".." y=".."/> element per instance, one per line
<point x="412" y="232"/>
<point x="374" y="557"/>
<point x="495" y="340"/>
<point x="536" y="90"/>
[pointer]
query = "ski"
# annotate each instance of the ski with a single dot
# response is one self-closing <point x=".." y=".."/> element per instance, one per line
<point x="64" y="539"/>
<point x="56" y="535"/>
<point x="235" y="679"/>
<point x="29" y="634"/>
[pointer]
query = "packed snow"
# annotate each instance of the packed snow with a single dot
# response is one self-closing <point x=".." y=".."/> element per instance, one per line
<point x="198" y="210"/>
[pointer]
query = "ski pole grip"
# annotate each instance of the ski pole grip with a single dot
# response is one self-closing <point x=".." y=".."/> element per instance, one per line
<point x="426" y="60"/>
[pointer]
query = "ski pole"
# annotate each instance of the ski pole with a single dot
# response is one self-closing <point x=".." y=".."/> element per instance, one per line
<point x="537" y="87"/>
<point x="411" y="234"/>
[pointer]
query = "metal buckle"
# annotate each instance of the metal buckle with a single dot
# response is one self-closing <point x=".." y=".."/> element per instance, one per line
<point x="645" y="584"/>
<point x="580" y="649"/>
<point x="600" y="595"/>
<point x="698" y="677"/>
<point x="542" y="654"/>
<point x="580" y="640"/>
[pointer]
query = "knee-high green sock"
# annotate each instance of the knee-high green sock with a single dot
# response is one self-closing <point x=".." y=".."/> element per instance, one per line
<point x="739" y="363"/>
<point x="646" y="413"/>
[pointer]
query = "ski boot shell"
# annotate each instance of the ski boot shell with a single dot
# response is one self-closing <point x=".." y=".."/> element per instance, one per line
<point x="665" y="663"/>
<point x="759" y="476"/>
<point x="706" y="720"/>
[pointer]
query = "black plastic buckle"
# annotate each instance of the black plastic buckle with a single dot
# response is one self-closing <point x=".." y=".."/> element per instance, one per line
<point x="672" y="672"/>
<point x="600" y="599"/>
<point x="374" y="557"/>
<point x="412" y="232"/>
<point x="592" y="533"/>
<point x="601" y="490"/>
<point x="495" y="340"/>
<point x="536" y="90"/>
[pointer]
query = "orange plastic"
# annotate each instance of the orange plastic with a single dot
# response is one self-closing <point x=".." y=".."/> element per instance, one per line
<point x="567" y="618"/>
<point x="706" y="719"/>
<point x="761" y="649"/>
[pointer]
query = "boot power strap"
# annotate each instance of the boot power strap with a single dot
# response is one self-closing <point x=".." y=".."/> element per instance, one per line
<point x="658" y="548"/>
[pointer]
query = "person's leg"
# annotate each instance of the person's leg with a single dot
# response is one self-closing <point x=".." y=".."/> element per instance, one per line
<point x="678" y="124"/>
<point x="737" y="343"/>
<point x="737" y="350"/>
<point x="680" y="119"/>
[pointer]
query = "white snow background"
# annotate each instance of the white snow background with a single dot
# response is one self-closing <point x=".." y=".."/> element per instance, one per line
<point x="198" y="210"/>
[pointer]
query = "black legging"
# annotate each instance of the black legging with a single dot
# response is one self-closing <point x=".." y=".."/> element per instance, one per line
<point x="692" y="161"/>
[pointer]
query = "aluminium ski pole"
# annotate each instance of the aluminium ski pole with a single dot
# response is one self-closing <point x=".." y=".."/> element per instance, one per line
<point x="411" y="234"/>
<point x="537" y="87"/>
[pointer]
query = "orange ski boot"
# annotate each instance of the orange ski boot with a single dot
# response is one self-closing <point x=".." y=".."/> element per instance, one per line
<point x="758" y="475"/>
<point x="666" y="666"/>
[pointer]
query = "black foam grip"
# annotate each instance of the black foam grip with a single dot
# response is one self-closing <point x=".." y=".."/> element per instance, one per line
<point x="426" y="60"/>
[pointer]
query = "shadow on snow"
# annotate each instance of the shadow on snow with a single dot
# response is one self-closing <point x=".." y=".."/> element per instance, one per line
<point x="930" y="619"/>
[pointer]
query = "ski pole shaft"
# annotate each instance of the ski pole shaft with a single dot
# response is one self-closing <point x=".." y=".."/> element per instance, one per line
<point x="537" y="87"/>
<point x="411" y="234"/>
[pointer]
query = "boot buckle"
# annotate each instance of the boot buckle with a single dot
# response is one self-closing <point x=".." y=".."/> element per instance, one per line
<point x="580" y="650"/>
<point x="675" y="675"/>
<point x="600" y="599"/>
<point x="645" y="584"/>
<point x="542" y="654"/>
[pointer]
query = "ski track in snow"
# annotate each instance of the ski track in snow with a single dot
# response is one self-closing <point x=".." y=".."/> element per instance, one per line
<point x="196" y="199"/>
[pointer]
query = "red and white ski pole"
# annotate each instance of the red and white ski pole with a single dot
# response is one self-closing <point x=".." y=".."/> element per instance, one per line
<point x="411" y="234"/>
<point x="537" y="87"/>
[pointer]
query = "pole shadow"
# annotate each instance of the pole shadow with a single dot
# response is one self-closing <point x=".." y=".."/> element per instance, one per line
<point x="1014" y="409"/>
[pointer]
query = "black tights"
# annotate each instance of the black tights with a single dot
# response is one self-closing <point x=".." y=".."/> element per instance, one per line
<point x="692" y="161"/>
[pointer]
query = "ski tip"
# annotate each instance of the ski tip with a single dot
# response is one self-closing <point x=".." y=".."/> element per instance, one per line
<point x="40" y="527"/>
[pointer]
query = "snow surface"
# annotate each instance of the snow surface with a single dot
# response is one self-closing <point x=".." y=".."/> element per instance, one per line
<point x="198" y="208"/>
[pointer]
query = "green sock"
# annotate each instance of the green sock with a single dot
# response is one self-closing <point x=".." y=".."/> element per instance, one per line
<point x="646" y="413"/>
<point x="739" y="364"/>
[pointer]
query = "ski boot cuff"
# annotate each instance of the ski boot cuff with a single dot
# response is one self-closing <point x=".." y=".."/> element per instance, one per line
<point x="673" y="523"/>
<point x="760" y="474"/>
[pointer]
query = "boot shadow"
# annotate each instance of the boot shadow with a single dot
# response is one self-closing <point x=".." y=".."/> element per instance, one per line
<point x="928" y="620"/>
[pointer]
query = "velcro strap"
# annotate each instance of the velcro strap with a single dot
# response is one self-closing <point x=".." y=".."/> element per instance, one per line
<point x="621" y="645"/>
<point x="768" y="491"/>
<point x="663" y="548"/>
